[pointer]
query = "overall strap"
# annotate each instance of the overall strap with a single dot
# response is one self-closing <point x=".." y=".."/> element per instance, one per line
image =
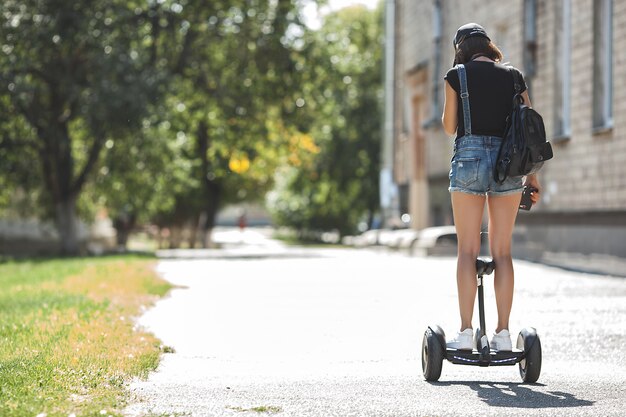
<point x="467" y="117"/>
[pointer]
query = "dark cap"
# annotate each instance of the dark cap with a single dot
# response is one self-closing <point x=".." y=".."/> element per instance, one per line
<point x="467" y="31"/>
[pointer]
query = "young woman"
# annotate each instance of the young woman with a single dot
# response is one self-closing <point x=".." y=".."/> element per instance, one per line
<point x="478" y="129"/>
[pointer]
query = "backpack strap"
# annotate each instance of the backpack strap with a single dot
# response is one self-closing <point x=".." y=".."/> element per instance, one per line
<point x="467" y="117"/>
<point x="503" y="160"/>
<point x="501" y="168"/>
<point x="503" y="163"/>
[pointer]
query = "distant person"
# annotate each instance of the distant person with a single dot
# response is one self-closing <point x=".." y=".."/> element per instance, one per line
<point x="242" y="222"/>
<point x="478" y="119"/>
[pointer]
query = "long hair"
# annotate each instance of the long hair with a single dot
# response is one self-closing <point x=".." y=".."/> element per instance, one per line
<point x="476" y="45"/>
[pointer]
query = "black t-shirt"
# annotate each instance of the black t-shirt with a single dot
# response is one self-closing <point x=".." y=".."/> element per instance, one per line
<point x="490" y="87"/>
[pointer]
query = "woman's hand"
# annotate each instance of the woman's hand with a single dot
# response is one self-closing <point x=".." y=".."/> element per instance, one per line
<point x="533" y="181"/>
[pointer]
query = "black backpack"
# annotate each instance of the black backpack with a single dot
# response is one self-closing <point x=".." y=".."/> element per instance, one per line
<point x="524" y="146"/>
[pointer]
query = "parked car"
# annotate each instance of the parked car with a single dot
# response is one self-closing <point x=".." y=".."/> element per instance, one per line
<point x="439" y="240"/>
<point x="368" y="238"/>
<point x="389" y="237"/>
<point x="404" y="238"/>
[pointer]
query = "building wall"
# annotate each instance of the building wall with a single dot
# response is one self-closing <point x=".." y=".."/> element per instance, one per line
<point x="588" y="171"/>
<point x="32" y="237"/>
<point x="584" y="186"/>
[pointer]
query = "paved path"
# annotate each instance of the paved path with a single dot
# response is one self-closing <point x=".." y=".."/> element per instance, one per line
<point x="315" y="332"/>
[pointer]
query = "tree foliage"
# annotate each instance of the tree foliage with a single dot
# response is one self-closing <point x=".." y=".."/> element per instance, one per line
<point x="163" y="111"/>
<point x="177" y="92"/>
<point x="341" y="96"/>
<point x="234" y="81"/>
<point x="78" y="74"/>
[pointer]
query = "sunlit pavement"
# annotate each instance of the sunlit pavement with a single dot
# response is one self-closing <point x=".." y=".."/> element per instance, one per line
<point x="269" y="329"/>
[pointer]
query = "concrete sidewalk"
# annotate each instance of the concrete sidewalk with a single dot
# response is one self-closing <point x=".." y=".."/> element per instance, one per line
<point x="339" y="333"/>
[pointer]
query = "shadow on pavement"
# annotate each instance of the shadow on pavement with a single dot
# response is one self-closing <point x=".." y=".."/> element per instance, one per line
<point x="519" y="395"/>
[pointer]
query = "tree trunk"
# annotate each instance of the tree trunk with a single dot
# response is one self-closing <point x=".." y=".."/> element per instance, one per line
<point x="207" y="238"/>
<point x="193" y="233"/>
<point x="62" y="181"/>
<point x="123" y="224"/>
<point x="67" y="225"/>
<point x="214" y="193"/>
<point x="121" y="238"/>
<point x="175" y="234"/>
<point x="212" y="189"/>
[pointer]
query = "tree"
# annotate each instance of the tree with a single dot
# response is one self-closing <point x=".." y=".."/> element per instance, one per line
<point x="139" y="177"/>
<point x="79" y="73"/>
<point x="20" y="190"/>
<point x="342" y="96"/>
<point x="236" y="79"/>
<point x="200" y="100"/>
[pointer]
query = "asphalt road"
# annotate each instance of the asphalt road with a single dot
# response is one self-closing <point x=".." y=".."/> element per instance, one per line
<point x="260" y="329"/>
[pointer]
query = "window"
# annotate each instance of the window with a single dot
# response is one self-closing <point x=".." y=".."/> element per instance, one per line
<point x="436" y="105"/>
<point x="563" y="34"/>
<point x="530" y="41"/>
<point x="602" y="65"/>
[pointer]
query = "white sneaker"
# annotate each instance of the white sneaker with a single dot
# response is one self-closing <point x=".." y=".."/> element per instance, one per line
<point x="463" y="341"/>
<point x="501" y="341"/>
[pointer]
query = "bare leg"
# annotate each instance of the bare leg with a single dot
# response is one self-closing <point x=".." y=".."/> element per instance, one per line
<point x="468" y="213"/>
<point x="502" y="214"/>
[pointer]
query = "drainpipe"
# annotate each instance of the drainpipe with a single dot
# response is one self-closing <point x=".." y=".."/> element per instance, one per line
<point x="388" y="190"/>
<point x="437" y="35"/>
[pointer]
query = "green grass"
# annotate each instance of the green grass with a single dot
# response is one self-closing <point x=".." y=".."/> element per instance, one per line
<point x="67" y="339"/>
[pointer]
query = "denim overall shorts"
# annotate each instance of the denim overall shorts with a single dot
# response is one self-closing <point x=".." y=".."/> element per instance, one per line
<point x="475" y="157"/>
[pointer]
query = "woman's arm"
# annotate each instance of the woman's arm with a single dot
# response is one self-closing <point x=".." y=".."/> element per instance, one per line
<point x="450" y="107"/>
<point x="531" y="180"/>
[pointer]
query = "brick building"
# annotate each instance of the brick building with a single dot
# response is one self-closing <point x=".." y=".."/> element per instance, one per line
<point x="572" y="53"/>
